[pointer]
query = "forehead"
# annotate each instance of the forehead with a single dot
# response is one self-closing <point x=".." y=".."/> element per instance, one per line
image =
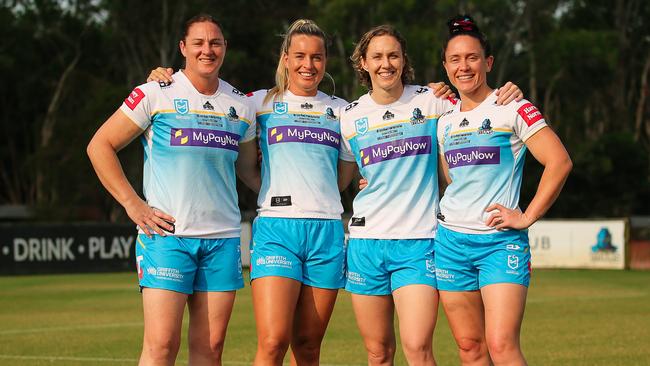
<point x="306" y="43"/>
<point x="206" y="29"/>
<point x="384" y="43"/>
<point x="463" y="44"/>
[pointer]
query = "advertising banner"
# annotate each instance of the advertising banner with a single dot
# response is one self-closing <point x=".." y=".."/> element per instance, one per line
<point x="579" y="244"/>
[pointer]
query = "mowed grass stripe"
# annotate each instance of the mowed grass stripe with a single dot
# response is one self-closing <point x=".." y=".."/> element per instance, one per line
<point x="572" y="318"/>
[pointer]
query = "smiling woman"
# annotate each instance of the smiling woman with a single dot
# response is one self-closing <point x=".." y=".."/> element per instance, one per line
<point x="196" y="133"/>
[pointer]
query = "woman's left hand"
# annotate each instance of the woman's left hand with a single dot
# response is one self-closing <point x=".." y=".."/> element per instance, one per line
<point x="505" y="218"/>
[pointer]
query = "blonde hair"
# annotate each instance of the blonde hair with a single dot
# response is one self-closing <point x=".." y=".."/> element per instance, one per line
<point x="362" y="47"/>
<point x="300" y="26"/>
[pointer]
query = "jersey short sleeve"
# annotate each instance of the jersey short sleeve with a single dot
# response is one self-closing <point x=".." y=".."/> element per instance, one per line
<point x="137" y="106"/>
<point x="529" y="120"/>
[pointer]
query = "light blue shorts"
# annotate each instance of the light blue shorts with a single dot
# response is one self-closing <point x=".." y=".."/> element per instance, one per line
<point x="467" y="262"/>
<point x="310" y="251"/>
<point x="381" y="266"/>
<point x="189" y="264"/>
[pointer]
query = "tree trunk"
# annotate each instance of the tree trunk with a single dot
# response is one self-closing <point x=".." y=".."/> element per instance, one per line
<point x="643" y="93"/>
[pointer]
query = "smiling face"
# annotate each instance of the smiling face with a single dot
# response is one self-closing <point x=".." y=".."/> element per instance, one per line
<point x="305" y="63"/>
<point x="466" y="64"/>
<point x="384" y="62"/>
<point x="204" y="49"/>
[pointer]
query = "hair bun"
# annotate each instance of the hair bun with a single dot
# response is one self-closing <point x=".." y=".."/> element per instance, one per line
<point x="462" y="24"/>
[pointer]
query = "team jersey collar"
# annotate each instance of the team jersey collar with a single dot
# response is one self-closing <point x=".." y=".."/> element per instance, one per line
<point x="490" y="100"/>
<point x="180" y="77"/>
<point x="401" y="100"/>
<point x="319" y="95"/>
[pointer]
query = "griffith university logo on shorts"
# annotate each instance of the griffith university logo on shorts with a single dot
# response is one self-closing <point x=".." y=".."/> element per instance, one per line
<point x="309" y="135"/>
<point x="205" y="138"/>
<point x="475" y="155"/>
<point x="411" y="146"/>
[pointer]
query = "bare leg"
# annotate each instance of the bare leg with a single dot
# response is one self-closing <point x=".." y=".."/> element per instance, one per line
<point x="274" y="301"/>
<point x="375" y="321"/>
<point x="209" y="316"/>
<point x="163" y="317"/>
<point x="465" y="314"/>
<point x="417" y="309"/>
<point x="313" y="312"/>
<point x="504" y="312"/>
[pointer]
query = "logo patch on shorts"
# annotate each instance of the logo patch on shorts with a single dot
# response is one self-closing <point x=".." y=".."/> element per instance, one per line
<point x="513" y="261"/>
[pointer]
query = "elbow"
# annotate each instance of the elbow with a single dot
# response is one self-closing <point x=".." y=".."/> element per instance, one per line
<point x="567" y="165"/>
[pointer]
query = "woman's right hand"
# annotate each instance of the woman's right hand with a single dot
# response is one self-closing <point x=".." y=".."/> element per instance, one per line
<point x="161" y="75"/>
<point x="150" y="219"/>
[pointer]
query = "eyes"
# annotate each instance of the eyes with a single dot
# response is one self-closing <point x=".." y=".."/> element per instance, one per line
<point x="211" y="43"/>
<point x="454" y="59"/>
<point x="301" y="56"/>
<point x="390" y="56"/>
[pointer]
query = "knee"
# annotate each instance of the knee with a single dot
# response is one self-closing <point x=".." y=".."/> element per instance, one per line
<point x="502" y="347"/>
<point x="380" y="354"/>
<point x="208" y="348"/>
<point x="471" y="349"/>
<point x="416" y="349"/>
<point x="161" y="349"/>
<point x="273" y="346"/>
<point x="306" y="349"/>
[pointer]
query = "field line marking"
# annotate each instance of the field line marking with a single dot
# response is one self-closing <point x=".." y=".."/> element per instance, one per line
<point x="73" y="327"/>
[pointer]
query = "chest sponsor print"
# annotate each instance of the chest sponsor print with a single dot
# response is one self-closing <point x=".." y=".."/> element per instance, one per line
<point x="411" y="146"/>
<point x="309" y="135"/>
<point x="475" y="155"/>
<point x="205" y="138"/>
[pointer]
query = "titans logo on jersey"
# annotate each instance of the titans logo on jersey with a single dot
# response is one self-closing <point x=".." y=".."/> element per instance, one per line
<point x="191" y="142"/>
<point x="396" y="151"/>
<point x="484" y="150"/>
<point x="300" y="139"/>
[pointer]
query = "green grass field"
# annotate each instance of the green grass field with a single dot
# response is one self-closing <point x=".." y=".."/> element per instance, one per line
<point x="572" y="318"/>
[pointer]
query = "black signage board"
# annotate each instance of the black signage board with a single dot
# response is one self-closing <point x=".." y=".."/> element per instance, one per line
<point x="39" y="248"/>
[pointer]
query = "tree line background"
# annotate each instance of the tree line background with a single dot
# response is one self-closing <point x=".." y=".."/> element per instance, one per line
<point x="67" y="65"/>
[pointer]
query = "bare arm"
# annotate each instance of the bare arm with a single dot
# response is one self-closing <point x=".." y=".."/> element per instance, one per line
<point x="346" y="171"/>
<point x="444" y="179"/>
<point x="117" y="132"/>
<point x="247" y="169"/>
<point x="507" y="93"/>
<point x="547" y="148"/>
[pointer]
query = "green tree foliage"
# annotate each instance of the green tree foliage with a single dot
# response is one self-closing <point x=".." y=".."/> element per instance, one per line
<point x="67" y="65"/>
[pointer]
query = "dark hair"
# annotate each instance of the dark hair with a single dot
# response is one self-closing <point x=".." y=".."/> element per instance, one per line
<point x="362" y="47"/>
<point x="465" y="25"/>
<point x="200" y="18"/>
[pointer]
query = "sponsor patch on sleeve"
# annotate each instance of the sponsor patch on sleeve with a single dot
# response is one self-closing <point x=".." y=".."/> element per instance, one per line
<point x="134" y="98"/>
<point x="530" y="113"/>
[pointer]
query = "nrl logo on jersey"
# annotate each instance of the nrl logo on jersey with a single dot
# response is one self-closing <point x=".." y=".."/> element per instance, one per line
<point x="485" y="128"/>
<point x="418" y="117"/>
<point x="329" y="113"/>
<point x="280" y="107"/>
<point x="306" y="105"/>
<point x="232" y="114"/>
<point x="387" y="116"/>
<point x="235" y="91"/>
<point x="464" y="123"/>
<point x="207" y="106"/>
<point x="361" y="125"/>
<point x="182" y="106"/>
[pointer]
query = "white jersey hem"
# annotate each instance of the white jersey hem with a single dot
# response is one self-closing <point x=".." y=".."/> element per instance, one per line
<point x="297" y="215"/>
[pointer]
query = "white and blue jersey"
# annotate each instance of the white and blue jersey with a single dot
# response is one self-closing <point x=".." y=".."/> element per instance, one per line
<point x="191" y="142"/>
<point x="484" y="150"/>
<point x="395" y="148"/>
<point x="300" y="140"/>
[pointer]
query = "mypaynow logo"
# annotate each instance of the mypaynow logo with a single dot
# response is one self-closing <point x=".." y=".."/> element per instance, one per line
<point x="310" y="135"/>
<point x="203" y="137"/>
<point x="478" y="155"/>
<point x="395" y="149"/>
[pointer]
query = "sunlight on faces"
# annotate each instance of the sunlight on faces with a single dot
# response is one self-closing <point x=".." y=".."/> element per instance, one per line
<point x="305" y="63"/>
<point x="204" y="49"/>
<point x="466" y="64"/>
<point x="384" y="62"/>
